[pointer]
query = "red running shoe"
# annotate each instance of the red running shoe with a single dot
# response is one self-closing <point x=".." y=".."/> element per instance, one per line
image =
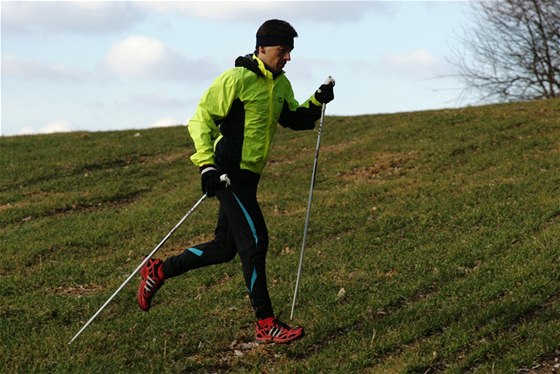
<point x="273" y="330"/>
<point x="152" y="280"/>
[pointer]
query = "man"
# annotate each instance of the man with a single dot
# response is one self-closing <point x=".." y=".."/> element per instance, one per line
<point x="232" y="131"/>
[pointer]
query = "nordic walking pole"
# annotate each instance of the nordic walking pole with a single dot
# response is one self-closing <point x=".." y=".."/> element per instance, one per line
<point x="225" y="179"/>
<point x="311" y="188"/>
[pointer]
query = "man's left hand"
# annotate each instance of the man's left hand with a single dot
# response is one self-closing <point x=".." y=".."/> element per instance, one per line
<point x="325" y="93"/>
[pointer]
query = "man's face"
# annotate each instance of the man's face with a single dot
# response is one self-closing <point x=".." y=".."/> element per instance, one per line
<point x="275" y="57"/>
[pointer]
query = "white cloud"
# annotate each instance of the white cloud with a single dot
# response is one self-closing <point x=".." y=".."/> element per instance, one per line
<point x="157" y="61"/>
<point x="69" y="16"/>
<point x="295" y="11"/>
<point x="166" y="122"/>
<point x="59" y="125"/>
<point x="413" y="64"/>
<point x="143" y="57"/>
<point x="33" y="70"/>
<point x="109" y="16"/>
<point x="136" y="56"/>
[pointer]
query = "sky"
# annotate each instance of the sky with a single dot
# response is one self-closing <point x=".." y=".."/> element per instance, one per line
<point x="116" y="65"/>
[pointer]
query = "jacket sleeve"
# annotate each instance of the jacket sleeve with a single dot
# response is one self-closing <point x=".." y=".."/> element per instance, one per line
<point x="299" y="117"/>
<point x="213" y="107"/>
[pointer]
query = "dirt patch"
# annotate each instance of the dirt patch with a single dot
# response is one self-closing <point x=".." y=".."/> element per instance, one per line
<point x="76" y="290"/>
<point x="549" y="365"/>
<point x="239" y="350"/>
<point x="165" y="158"/>
<point x="4" y="207"/>
<point x="343" y="146"/>
<point x="386" y="163"/>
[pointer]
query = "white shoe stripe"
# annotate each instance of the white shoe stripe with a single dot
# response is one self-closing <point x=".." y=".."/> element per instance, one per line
<point x="274" y="332"/>
<point x="150" y="283"/>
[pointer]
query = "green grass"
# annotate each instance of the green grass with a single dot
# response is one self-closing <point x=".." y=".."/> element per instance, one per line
<point x="443" y="228"/>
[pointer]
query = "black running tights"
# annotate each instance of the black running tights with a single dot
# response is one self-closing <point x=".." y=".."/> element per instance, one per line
<point x="241" y="228"/>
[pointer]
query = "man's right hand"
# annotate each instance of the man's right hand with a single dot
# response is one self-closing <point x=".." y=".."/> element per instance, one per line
<point x="210" y="178"/>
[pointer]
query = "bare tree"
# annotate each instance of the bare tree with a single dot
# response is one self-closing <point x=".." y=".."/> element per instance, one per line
<point x="513" y="51"/>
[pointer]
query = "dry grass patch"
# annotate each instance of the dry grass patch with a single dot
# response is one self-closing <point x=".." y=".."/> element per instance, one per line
<point x="389" y="163"/>
<point x="76" y="290"/>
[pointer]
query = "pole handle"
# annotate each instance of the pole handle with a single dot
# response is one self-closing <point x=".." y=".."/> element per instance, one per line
<point x="330" y="80"/>
<point x="224" y="178"/>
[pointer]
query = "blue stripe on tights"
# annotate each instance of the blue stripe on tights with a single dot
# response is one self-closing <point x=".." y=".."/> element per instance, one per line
<point x="253" y="279"/>
<point x="249" y="220"/>
<point x="196" y="251"/>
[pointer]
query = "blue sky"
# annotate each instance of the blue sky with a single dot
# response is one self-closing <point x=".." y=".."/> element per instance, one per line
<point x="96" y="66"/>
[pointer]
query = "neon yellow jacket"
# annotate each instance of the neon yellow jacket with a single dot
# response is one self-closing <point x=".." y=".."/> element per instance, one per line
<point x="237" y="116"/>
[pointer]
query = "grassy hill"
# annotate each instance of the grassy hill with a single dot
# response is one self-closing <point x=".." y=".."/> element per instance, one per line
<point x="434" y="245"/>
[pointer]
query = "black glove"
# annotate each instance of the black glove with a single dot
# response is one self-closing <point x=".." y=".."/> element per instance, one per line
<point x="325" y="93"/>
<point x="210" y="178"/>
